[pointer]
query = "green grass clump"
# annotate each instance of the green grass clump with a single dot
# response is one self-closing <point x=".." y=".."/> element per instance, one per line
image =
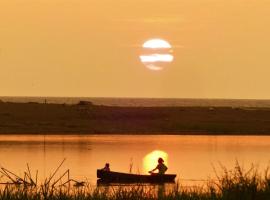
<point x="236" y="184"/>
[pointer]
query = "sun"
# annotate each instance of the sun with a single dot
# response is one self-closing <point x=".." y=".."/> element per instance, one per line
<point x="157" y="53"/>
<point x="157" y="43"/>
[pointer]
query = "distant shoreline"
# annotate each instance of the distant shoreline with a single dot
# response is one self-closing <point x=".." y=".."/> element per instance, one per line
<point x="86" y="118"/>
<point x="144" y="102"/>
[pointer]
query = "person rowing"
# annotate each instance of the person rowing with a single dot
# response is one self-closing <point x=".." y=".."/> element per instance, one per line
<point x="107" y="167"/>
<point x="161" y="167"/>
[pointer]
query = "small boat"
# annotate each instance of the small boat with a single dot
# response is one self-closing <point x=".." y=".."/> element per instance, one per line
<point x="118" y="177"/>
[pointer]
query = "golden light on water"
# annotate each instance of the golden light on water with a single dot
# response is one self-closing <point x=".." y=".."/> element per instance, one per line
<point x="157" y="54"/>
<point x="150" y="161"/>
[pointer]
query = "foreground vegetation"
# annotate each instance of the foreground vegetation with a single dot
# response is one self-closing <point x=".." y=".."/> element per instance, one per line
<point x="236" y="184"/>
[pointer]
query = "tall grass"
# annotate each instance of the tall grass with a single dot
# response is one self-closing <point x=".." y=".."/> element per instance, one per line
<point x="235" y="184"/>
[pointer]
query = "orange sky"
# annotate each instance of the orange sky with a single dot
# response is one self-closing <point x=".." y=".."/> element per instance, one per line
<point x="92" y="47"/>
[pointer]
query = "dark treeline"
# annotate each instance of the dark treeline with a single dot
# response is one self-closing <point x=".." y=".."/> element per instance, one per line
<point x="86" y="118"/>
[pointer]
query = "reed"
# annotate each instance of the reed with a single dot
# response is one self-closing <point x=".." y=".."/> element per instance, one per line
<point x="235" y="184"/>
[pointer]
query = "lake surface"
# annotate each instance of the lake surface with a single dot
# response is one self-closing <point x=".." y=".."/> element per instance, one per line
<point x="190" y="157"/>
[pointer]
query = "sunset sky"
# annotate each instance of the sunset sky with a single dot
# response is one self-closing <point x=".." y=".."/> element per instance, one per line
<point x="92" y="48"/>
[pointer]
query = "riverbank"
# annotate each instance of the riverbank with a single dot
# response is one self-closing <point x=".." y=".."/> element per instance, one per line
<point x="86" y="118"/>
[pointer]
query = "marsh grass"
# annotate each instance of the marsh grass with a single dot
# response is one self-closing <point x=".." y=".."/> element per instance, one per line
<point x="235" y="184"/>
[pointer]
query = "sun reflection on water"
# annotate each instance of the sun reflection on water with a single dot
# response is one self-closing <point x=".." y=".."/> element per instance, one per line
<point x="150" y="160"/>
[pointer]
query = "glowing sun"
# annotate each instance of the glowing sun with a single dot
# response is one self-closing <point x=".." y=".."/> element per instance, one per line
<point x="157" y="53"/>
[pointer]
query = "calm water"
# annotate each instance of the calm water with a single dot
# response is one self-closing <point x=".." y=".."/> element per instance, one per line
<point x="190" y="157"/>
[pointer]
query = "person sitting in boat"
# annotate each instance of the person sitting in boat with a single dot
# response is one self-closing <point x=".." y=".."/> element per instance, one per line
<point x="107" y="167"/>
<point x="161" y="167"/>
